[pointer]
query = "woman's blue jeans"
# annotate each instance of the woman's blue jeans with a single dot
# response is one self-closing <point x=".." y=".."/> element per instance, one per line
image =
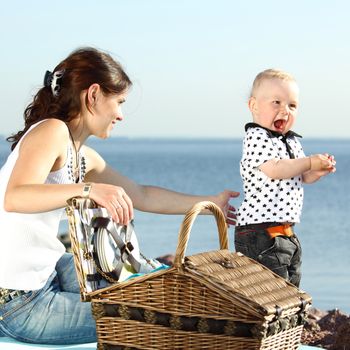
<point x="53" y="314"/>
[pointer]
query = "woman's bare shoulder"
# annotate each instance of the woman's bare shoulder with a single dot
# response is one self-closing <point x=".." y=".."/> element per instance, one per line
<point x="52" y="128"/>
<point x="49" y="134"/>
<point x="56" y="125"/>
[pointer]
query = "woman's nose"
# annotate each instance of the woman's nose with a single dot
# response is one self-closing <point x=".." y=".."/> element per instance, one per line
<point x="120" y="115"/>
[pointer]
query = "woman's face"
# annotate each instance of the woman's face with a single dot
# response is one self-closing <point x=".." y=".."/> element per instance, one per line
<point x="107" y="112"/>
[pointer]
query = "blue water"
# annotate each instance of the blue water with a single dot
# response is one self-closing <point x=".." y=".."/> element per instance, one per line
<point x="208" y="167"/>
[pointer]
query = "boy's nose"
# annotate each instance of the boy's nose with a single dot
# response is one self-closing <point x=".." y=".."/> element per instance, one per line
<point x="284" y="110"/>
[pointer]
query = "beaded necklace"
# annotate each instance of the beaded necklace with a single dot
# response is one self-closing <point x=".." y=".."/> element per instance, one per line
<point x="77" y="172"/>
<point x="75" y="168"/>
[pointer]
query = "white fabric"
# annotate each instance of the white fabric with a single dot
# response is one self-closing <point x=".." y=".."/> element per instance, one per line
<point x="266" y="199"/>
<point x="29" y="247"/>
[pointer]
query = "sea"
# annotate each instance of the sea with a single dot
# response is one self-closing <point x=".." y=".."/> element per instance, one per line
<point x="208" y="166"/>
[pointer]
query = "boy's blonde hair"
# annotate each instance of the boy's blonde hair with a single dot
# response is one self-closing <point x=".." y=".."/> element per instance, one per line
<point x="269" y="74"/>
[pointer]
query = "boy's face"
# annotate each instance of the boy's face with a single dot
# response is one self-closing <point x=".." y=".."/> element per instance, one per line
<point x="275" y="104"/>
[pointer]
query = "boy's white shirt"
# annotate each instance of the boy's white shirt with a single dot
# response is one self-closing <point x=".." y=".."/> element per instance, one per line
<point x="265" y="199"/>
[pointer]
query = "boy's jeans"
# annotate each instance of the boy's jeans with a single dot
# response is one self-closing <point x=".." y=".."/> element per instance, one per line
<point x="53" y="314"/>
<point x="281" y="254"/>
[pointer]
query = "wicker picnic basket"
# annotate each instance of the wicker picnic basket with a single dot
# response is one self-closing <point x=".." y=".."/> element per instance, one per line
<point x="212" y="300"/>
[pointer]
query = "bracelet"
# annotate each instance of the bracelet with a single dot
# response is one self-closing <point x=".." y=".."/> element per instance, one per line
<point x="310" y="163"/>
<point x="87" y="189"/>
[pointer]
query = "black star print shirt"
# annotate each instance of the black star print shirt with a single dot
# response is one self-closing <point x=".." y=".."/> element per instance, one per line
<point x="266" y="199"/>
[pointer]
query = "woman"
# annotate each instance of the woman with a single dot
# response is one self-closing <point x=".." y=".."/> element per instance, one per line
<point x="49" y="163"/>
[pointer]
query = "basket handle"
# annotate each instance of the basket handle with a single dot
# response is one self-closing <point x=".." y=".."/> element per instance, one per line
<point x="187" y="223"/>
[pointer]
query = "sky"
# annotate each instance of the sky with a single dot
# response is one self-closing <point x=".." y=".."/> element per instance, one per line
<point x="192" y="62"/>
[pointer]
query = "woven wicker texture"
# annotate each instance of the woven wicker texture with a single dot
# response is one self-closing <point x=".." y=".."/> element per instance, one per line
<point x="133" y="334"/>
<point x="212" y="300"/>
<point x="77" y="203"/>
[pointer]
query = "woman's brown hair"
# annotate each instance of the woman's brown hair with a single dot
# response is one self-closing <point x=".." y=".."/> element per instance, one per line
<point x="81" y="68"/>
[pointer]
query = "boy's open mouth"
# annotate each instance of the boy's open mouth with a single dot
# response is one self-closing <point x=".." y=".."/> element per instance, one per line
<point x="280" y="124"/>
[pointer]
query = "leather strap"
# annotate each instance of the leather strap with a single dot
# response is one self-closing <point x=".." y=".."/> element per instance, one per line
<point x="125" y="248"/>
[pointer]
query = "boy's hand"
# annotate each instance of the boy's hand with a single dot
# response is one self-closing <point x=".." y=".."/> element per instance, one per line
<point x="322" y="162"/>
<point x="332" y="160"/>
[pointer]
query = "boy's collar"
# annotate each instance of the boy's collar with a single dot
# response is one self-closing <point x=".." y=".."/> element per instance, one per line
<point x="272" y="133"/>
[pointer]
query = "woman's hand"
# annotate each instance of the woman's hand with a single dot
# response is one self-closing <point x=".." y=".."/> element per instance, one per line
<point x="115" y="200"/>
<point x="222" y="200"/>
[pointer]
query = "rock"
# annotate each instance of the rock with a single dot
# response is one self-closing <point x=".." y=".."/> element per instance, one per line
<point x="342" y="338"/>
<point x="329" y="330"/>
<point x="65" y="240"/>
<point x="166" y="259"/>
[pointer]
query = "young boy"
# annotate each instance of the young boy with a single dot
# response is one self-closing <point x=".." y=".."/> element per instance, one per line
<point x="273" y="168"/>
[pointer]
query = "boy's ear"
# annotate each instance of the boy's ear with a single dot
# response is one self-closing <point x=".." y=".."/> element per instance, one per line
<point x="252" y="104"/>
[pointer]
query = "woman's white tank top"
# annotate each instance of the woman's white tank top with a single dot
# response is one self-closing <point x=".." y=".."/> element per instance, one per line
<point x="29" y="247"/>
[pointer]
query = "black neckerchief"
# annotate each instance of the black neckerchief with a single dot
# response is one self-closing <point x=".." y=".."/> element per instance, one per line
<point x="272" y="133"/>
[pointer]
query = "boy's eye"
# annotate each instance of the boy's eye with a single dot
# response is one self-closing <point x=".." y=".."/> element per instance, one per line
<point x="276" y="102"/>
<point x="293" y="106"/>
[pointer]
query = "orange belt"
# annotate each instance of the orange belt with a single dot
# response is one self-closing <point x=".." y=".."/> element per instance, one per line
<point x="282" y="230"/>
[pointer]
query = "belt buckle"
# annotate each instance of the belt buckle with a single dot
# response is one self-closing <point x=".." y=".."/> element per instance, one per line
<point x="7" y="295"/>
<point x="15" y="293"/>
<point x="3" y="295"/>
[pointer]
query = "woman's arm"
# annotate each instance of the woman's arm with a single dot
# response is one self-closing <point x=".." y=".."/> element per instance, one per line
<point x="42" y="150"/>
<point x="146" y="198"/>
